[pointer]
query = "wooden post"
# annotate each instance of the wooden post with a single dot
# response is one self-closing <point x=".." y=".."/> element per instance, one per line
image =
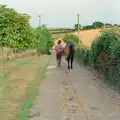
<point x="78" y="27"/>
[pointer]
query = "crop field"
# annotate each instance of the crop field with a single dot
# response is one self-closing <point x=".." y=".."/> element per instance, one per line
<point x="87" y="36"/>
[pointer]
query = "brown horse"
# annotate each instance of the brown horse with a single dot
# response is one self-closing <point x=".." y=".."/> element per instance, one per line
<point x="70" y="52"/>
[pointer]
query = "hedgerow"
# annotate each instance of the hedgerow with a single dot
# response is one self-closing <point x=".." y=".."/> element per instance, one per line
<point x="104" y="55"/>
<point x="72" y="39"/>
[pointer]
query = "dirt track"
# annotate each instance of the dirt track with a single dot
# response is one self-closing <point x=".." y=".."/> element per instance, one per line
<point x="74" y="95"/>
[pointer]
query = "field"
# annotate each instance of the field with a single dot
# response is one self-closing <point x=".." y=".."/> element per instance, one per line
<point x="60" y="32"/>
<point x="87" y="36"/>
<point x="60" y="35"/>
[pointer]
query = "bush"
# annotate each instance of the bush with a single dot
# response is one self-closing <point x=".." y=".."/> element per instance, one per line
<point x="104" y="55"/>
<point x="71" y="39"/>
<point x="44" y="41"/>
<point x="104" y="43"/>
<point x="84" y="55"/>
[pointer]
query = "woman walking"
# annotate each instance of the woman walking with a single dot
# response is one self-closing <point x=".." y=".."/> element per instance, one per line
<point x="59" y="51"/>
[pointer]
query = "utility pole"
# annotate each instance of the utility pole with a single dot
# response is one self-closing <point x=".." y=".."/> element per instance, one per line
<point x="39" y="20"/>
<point x="78" y="16"/>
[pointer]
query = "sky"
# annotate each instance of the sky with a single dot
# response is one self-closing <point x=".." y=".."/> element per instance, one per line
<point x="63" y="13"/>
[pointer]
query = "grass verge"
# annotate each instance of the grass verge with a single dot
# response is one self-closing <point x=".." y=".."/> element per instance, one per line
<point x="19" y="62"/>
<point x="32" y="92"/>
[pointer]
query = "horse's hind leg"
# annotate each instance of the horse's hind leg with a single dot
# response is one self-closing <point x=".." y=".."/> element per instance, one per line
<point x="68" y="63"/>
<point x="72" y="58"/>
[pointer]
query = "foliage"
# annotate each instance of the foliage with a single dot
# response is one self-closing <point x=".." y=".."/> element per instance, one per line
<point x="93" y="26"/>
<point x="88" y="27"/>
<point x="84" y="55"/>
<point x="98" y="24"/>
<point x="76" y="26"/>
<point x="108" y="25"/>
<point x="71" y="39"/>
<point x="15" y="31"/>
<point x="104" y="55"/>
<point x="116" y="25"/>
<point x="44" y="41"/>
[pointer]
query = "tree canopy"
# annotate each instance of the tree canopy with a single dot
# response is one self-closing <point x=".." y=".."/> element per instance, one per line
<point x="76" y="26"/>
<point x="98" y="24"/>
<point x="15" y="30"/>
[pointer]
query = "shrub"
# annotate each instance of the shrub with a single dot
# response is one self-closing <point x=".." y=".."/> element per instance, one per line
<point x="71" y="39"/>
<point x="84" y="55"/>
<point x="104" y="55"/>
<point x="44" y="41"/>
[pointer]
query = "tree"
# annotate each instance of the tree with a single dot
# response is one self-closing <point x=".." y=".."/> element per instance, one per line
<point x="108" y="25"/>
<point x="15" y="31"/>
<point x="116" y="25"/>
<point x="76" y="26"/>
<point x="98" y="24"/>
<point x="44" y="41"/>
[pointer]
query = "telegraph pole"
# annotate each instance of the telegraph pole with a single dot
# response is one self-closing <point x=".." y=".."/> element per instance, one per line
<point x="78" y="16"/>
<point x="39" y="20"/>
<point x="78" y="23"/>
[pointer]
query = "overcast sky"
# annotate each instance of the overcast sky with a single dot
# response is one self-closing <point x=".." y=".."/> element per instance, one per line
<point x="62" y="13"/>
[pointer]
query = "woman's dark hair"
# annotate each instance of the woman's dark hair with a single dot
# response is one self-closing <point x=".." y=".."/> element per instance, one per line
<point x="59" y="41"/>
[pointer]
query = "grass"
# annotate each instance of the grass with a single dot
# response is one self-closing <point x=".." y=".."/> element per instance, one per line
<point x="18" y="87"/>
<point x="29" y="102"/>
<point x="19" y="62"/>
<point x="5" y="76"/>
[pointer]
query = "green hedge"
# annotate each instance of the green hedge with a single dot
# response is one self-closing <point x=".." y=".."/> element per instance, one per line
<point x="71" y="39"/>
<point x="104" y="56"/>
